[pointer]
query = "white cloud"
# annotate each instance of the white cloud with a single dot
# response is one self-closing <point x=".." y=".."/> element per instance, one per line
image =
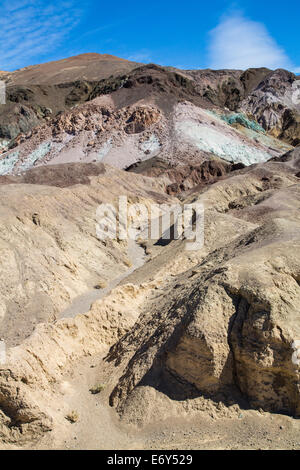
<point x="30" y="29"/>
<point x="239" y="43"/>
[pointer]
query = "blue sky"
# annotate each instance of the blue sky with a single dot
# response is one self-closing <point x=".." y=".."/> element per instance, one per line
<point x="191" y="34"/>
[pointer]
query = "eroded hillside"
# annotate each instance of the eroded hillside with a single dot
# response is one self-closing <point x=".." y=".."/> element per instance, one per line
<point x="189" y="333"/>
<point x="110" y="343"/>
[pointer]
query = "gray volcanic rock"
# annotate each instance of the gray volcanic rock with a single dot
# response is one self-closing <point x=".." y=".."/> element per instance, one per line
<point x="227" y="88"/>
<point x="275" y="103"/>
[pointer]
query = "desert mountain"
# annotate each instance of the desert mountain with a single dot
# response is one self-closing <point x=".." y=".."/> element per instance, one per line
<point x="36" y="92"/>
<point x="121" y="343"/>
<point x="152" y="111"/>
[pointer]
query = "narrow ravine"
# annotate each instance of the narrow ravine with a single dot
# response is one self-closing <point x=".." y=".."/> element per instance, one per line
<point x="82" y="303"/>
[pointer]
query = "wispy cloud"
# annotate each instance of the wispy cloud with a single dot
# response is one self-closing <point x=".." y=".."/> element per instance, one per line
<point x="140" y="56"/>
<point x="240" y="43"/>
<point x="34" y="28"/>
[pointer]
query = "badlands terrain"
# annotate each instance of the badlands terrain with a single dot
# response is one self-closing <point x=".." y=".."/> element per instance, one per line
<point x="144" y="344"/>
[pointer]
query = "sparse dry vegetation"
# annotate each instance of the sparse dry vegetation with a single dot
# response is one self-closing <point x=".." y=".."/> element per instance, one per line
<point x="101" y="285"/>
<point x="72" y="417"/>
<point x="97" y="389"/>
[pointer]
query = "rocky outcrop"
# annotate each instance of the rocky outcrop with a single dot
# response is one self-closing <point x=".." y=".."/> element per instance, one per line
<point x="290" y="131"/>
<point x="30" y="377"/>
<point x="271" y="97"/>
<point x="275" y="104"/>
<point x="227" y="88"/>
<point x="141" y="119"/>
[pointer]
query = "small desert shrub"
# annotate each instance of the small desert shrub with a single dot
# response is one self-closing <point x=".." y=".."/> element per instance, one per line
<point x="72" y="416"/>
<point x="101" y="285"/>
<point x="142" y="242"/>
<point x="97" y="389"/>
